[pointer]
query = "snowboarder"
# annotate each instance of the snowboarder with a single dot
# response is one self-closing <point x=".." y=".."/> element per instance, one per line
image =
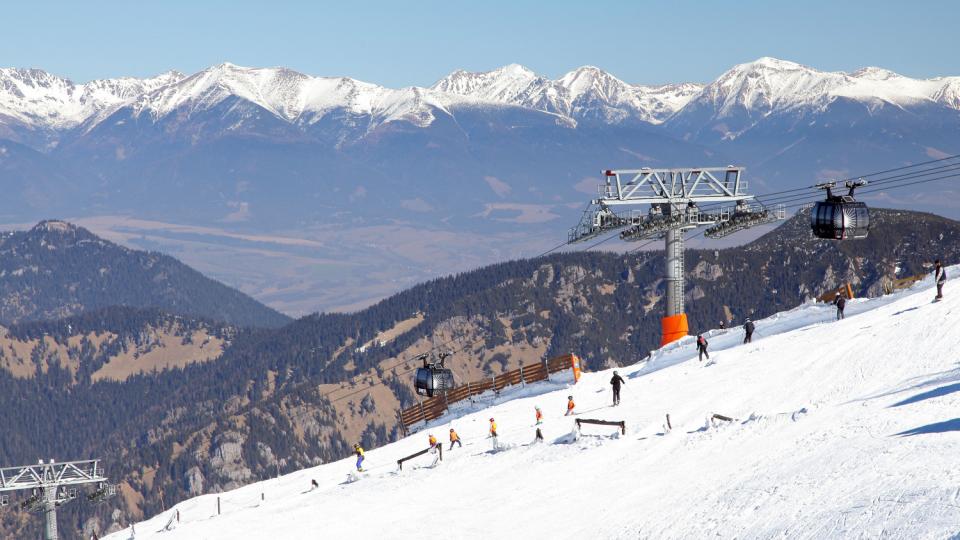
<point x="748" y="328"/>
<point x="358" y="450"/>
<point x="570" y="406"/>
<point x="454" y="438"/>
<point x="940" y="277"/>
<point x="702" y="347"/>
<point x="539" y="415"/>
<point x="615" y="382"/>
<point x="841" y="302"/>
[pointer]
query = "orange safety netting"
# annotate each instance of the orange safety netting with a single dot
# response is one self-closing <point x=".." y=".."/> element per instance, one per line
<point x="674" y="328"/>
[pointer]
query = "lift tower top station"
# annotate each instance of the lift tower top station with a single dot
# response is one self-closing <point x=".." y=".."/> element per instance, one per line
<point x="674" y="197"/>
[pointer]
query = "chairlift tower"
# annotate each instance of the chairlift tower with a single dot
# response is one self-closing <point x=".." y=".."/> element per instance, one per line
<point x="53" y="484"/>
<point x="674" y="197"/>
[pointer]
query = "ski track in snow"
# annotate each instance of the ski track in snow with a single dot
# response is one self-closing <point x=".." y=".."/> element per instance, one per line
<point x="841" y="429"/>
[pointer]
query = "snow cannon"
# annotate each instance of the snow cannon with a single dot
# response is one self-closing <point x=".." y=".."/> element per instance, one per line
<point x="674" y="327"/>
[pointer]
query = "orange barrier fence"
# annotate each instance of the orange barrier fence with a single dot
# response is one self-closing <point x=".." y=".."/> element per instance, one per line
<point x="846" y="290"/>
<point x="433" y="408"/>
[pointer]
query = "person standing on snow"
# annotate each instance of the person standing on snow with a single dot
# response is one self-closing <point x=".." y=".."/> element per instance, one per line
<point x="748" y="329"/>
<point x="358" y="450"/>
<point x="939" y="277"/>
<point x="539" y="415"/>
<point x="570" y="406"/>
<point x="841" y="302"/>
<point x="433" y="442"/>
<point x="454" y="438"/>
<point x="702" y="347"/>
<point x="493" y="434"/>
<point x="615" y="382"/>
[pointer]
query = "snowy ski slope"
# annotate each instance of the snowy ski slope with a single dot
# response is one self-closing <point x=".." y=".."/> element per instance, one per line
<point x="842" y="429"/>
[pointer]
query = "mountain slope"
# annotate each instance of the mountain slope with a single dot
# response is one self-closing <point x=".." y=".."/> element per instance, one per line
<point x="297" y="396"/>
<point x="56" y="270"/>
<point x="833" y="433"/>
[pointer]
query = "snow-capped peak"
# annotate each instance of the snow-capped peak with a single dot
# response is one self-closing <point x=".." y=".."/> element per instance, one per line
<point x="40" y="99"/>
<point x="587" y="92"/>
<point x="770" y="85"/>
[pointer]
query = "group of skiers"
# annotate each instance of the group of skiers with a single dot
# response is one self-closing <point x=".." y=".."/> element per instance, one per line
<point x="840" y="301"/>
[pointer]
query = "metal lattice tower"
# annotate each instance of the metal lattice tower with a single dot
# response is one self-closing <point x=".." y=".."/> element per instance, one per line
<point x="674" y="197"/>
<point x="52" y="485"/>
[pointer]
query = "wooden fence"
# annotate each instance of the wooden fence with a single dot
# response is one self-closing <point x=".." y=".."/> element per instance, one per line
<point x="433" y="408"/>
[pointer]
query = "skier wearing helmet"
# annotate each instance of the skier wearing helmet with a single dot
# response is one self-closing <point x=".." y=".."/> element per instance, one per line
<point x="539" y="415"/>
<point x="493" y="434"/>
<point x="615" y="382"/>
<point x="454" y="438"/>
<point x="358" y="450"/>
<point x="570" y="406"/>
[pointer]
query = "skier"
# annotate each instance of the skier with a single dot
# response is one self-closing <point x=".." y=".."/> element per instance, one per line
<point x="539" y="415"/>
<point x="493" y="434"/>
<point x="748" y="328"/>
<point x="570" y="406"/>
<point x="358" y="450"/>
<point x="940" y="277"/>
<point x="433" y="442"/>
<point x="702" y="347"/>
<point x="615" y="382"/>
<point x="841" y="302"/>
<point x="454" y="438"/>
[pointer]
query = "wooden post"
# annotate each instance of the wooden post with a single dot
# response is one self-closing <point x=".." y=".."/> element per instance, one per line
<point x="178" y="516"/>
<point x="522" y="382"/>
<point x="421" y="410"/>
<point x="722" y="417"/>
<point x="469" y="393"/>
<point x="668" y="422"/>
<point x="218" y="506"/>
<point x="261" y="496"/>
<point x="494" y="377"/>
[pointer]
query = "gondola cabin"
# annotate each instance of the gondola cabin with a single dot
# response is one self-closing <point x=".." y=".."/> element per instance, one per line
<point x="840" y="217"/>
<point x="433" y="378"/>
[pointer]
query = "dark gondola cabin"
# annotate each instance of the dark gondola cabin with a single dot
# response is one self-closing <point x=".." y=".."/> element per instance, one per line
<point x="840" y="217"/>
<point x="433" y="378"/>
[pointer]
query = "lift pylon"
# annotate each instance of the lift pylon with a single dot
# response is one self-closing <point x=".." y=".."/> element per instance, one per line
<point x="51" y="486"/>
<point x="674" y="197"/>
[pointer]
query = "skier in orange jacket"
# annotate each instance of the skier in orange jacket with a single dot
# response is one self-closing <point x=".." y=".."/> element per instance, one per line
<point x="570" y="406"/>
<point x="539" y="415"/>
<point x="454" y="438"/>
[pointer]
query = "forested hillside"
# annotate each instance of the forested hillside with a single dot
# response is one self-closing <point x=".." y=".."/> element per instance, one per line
<point x="295" y="396"/>
<point x="56" y="270"/>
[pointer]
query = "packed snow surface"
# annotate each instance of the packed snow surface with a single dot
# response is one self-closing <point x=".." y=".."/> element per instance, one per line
<point x="840" y="429"/>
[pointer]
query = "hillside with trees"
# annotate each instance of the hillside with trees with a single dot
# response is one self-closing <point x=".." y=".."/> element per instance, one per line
<point x="287" y="398"/>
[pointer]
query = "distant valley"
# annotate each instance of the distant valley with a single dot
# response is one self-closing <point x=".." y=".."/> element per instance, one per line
<point x="328" y="193"/>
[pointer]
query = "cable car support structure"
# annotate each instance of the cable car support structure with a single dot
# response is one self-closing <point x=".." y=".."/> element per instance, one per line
<point x="674" y="198"/>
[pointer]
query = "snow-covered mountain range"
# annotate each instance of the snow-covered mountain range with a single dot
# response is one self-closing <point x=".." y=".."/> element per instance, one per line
<point x="37" y="100"/>
<point x="505" y="152"/>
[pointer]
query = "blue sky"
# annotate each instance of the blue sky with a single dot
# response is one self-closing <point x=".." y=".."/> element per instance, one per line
<point x="416" y="42"/>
